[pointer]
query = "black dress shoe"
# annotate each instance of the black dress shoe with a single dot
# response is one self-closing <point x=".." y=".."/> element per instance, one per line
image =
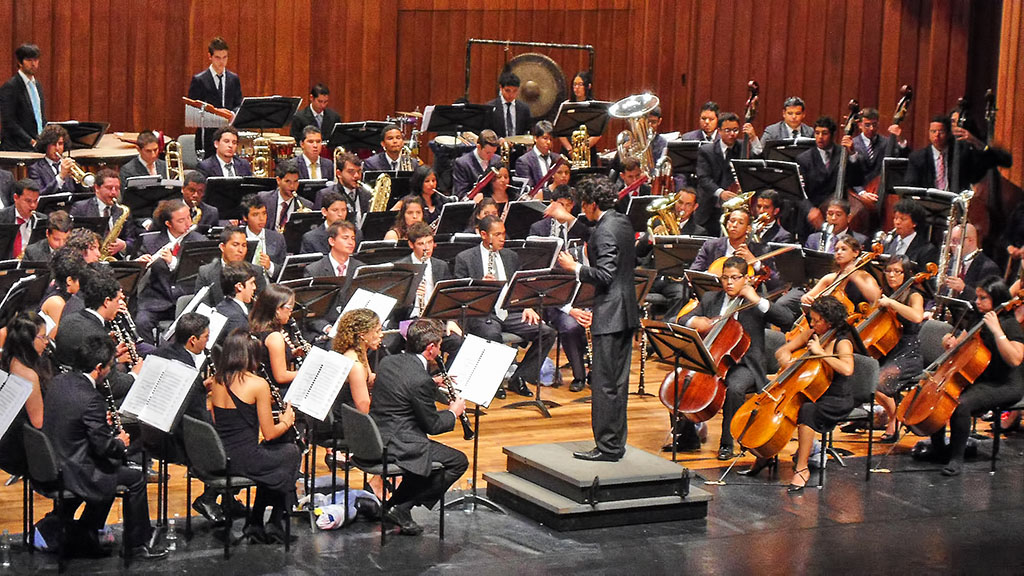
<point x="596" y="455"/>
<point x="690" y="445"/>
<point x="146" y="552"/>
<point x="759" y="464"/>
<point x="577" y="385"/>
<point x="952" y="469"/>
<point x="518" y="385"/>
<point x="726" y="453"/>
<point x="234" y="507"/>
<point x="275" y="534"/>
<point x="209" y="509"/>
<point x="500" y="394"/>
<point x="403" y="519"/>
<point x="254" y="534"/>
<point x="889" y="439"/>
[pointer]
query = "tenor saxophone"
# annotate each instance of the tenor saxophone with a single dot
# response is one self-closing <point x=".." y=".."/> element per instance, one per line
<point x="115" y="231"/>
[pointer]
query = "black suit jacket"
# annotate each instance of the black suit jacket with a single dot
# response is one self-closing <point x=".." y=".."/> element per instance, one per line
<point x="305" y="118"/>
<point x="236" y="318"/>
<point x="272" y="200"/>
<point x="528" y="166"/>
<point x="753" y="322"/>
<point x="819" y="180"/>
<point x="882" y="147"/>
<point x="981" y="268"/>
<point x="360" y="196"/>
<point x="276" y="248"/>
<point x="469" y="264"/>
<point x="379" y="162"/>
<point x="159" y="293"/>
<point x="404" y="410"/>
<point x="921" y="250"/>
<point x="75" y="421"/>
<point x="17" y="120"/>
<point x="72" y="332"/>
<point x="691" y="228"/>
<point x="612" y="260"/>
<point x="209" y="275"/>
<point x="777" y="234"/>
<point x="135" y="167"/>
<point x="713" y="172"/>
<point x="323" y="268"/>
<point x="7" y="186"/>
<point x="42" y="173"/>
<point x="212" y="166"/>
<point x="523" y="119"/>
<point x="129" y="232"/>
<point x="204" y="87"/>
<point x="579" y="228"/>
<point x="467" y="171"/>
<point x="38" y="251"/>
<point x="324" y="165"/>
<point x="315" y="241"/>
<point x="814" y="240"/>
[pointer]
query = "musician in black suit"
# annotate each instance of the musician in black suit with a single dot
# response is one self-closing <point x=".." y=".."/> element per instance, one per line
<point x="310" y="164"/>
<point x="217" y="86"/>
<point x="715" y="181"/>
<point x="792" y="123"/>
<point x="284" y="200"/>
<point x="837" y="219"/>
<point x="22" y="109"/>
<point x="820" y="168"/>
<point x="768" y="205"/>
<point x="224" y="162"/>
<point x="336" y="263"/>
<point x="540" y="159"/>
<point x="106" y="204"/>
<point x="931" y="166"/>
<point x="492" y="261"/>
<point x="872" y="148"/>
<point x="749" y="374"/>
<point x="58" y="225"/>
<point x="92" y="454"/>
<point x="629" y="174"/>
<point x="22" y="213"/>
<point x="232" y="249"/>
<point x="348" y="183"/>
<point x="570" y="229"/>
<point x="734" y="242"/>
<point x="160" y="293"/>
<point x="53" y="172"/>
<point x="334" y="209"/>
<point x="391" y="142"/>
<point x="403" y="408"/>
<point x="511" y="117"/>
<point x="708" y="131"/>
<point x="911" y="236"/>
<point x="238" y="283"/>
<point x="271" y="249"/>
<point x="615" y="315"/>
<point x="316" y="114"/>
<point x="471" y="165"/>
<point x="975" y="268"/>
<point x="148" y="162"/>
<point x="192" y="191"/>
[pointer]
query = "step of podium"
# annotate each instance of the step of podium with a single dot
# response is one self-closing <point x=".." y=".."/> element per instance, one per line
<point x="544" y="482"/>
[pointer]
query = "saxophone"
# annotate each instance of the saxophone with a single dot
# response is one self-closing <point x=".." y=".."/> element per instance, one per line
<point x="262" y="162"/>
<point x="580" y="151"/>
<point x="115" y="231"/>
<point x="198" y="215"/>
<point x="381" y="193"/>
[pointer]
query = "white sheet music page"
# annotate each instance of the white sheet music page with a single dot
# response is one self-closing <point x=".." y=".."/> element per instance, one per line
<point x="479" y="368"/>
<point x="14" y="391"/>
<point x="381" y="304"/>
<point x="159" y="391"/>
<point x="217" y="322"/>
<point x="192" y="305"/>
<point x="318" y="382"/>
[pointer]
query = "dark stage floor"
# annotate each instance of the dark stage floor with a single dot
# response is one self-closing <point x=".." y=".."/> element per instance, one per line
<point x="912" y="521"/>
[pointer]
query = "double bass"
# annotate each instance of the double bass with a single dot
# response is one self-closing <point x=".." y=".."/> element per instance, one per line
<point x="928" y="406"/>
<point x="874" y="186"/>
<point x="844" y="154"/>
<point x="750" y="112"/>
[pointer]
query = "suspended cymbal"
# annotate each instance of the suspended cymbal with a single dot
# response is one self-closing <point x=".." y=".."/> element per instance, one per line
<point x="413" y="114"/>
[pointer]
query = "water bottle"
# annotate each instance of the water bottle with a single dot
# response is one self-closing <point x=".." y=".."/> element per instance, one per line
<point x="5" y="549"/>
<point x="171" y="540"/>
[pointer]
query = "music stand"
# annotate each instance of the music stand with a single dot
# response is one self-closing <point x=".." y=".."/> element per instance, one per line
<point x="686" y="349"/>
<point x="143" y="193"/>
<point x="309" y="188"/>
<point x="7" y="234"/>
<point x="673" y="255"/>
<point x="957" y="308"/>
<point x="454" y="217"/>
<point x="23" y="292"/>
<point x="63" y="201"/>
<point x="128" y="273"/>
<point x="265" y="112"/>
<point x="192" y="256"/>
<point x="357" y="136"/>
<point x="394" y="280"/>
<point x="936" y="204"/>
<point x="225" y="194"/>
<point x="571" y="115"/>
<point x="637" y="212"/>
<point x="703" y="282"/>
<point x="383" y="251"/>
<point x="757" y="175"/>
<point x="521" y="215"/>
<point x="314" y="299"/>
<point x="375" y="225"/>
<point x="97" y="224"/>
<point x="683" y="155"/>
<point x="536" y="253"/>
<point x="538" y="289"/>
<point x="456" y="118"/>
<point x="815" y="264"/>
<point x="298" y="224"/>
<point x="82" y="134"/>
<point x="787" y="149"/>
<point x="295" y="266"/>
<point x="447" y="251"/>
<point x="894" y="173"/>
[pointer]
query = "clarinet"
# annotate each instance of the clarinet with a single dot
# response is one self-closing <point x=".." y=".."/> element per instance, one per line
<point x="277" y="408"/>
<point x="108" y="397"/>
<point x="296" y="342"/>
<point x="122" y="335"/>
<point x="467" y="428"/>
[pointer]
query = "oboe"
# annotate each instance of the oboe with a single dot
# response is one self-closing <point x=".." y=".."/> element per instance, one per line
<point x="467" y="428"/>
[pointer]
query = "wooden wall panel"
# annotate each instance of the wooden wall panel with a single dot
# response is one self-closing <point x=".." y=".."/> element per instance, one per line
<point x="1009" y="131"/>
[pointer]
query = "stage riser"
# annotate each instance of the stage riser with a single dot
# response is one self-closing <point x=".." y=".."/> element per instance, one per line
<point x="605" y="493"/>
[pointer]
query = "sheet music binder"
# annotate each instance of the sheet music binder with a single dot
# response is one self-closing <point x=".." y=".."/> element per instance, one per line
<point x="318" y="382"/>
<point x="479" y="368"/>
<point x="159" y="391"/>
<point x="14" y="391"/>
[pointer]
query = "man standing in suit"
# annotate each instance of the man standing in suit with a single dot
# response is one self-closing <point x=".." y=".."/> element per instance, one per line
<point x="749" y="374"/>
<point x="492" y="261"/>
<point x="238" y="283"/>
<point x="708" y="131"/>
<point x="283" y="201"/>
<point x="336" y="263"/>
<point x="160" y="293"/>
<point x="768" y="207"/>
<point x="911" y="238"/>
<point x="232" y="249"/>
<point x="22" y="213"/>
<point x="22" y="114"/>
<point x="217" y="86"/>
<point x="53" y="172"/>
<point x="608" y="265"/>
<point x="224" y="163"/>
<point x="976" y="266"/>
<point x="403" y="408"/>
<point x="271" y="250"/>
<point x="148" y="162"/>
<point x="311" y="165"/>
<point x="536" y="163"/>
<point x="872" y="148"/>
<point x="58" y="225"/>
<point x="715" y="181"/>
<point x="106" y="204"/>
<point x="820" y="169"/>
<point x="192" y="191"/>
<point x="471" y="165"/>
<point x="91" y="454"/>
<point x="791" y="126"/>
<point x="837" y="223"/>
<point x="391" y="142"/>
<point x="511" y="117"/>
<point x="316" y="114"/>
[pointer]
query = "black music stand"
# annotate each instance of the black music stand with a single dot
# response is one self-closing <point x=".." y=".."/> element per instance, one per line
<point x="683" y="155"/>
<point x="454" y="217"/>
<point x="143" y="193"/>
<point x="97" y="224"/>
<point x="521" y="215"/>
<point x="787" y="149"/>
<point x="295" y="266"/>
<point x="894" y="173"/>
<point x="357" y="136"/>
<point x="703" y="282"/>
<point x="537" y="253"/>
<point x="309" y="188"/>
<point x="265" y="112"/>
<point x="813" y="264"/>
<point x="23" y="293"/>
<point x="957" y="308"/>
<point x="314" y="299"/>
<point x="572" y="115"/>
<point x="82" y="134"/>
<point x="447" y="251"/>
<point x="395" y="280"/>
<point x="456" y="118"/>
<point x="128" y="273"/>
<point x="538" y="289"/>
<point x="757" y="175"/>
<point x="7" y="234"/>
<point x="936" y="204"/>
<point x="63" y="201"/>
<point x="226" y="194"/>
<point x="673" y="255"/>
<point x="191" y="257"/>
<point x="298" y="224"/>
<point x="684" y="348"/>
<point x="375" y="225"/>
<point x="382" y="251"/>
<point x="637" y="212"/>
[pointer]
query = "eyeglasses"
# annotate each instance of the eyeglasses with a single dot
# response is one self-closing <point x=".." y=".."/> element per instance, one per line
<point x="43" y="337"/>
<point x="731" y="130"/>
<point x="733" y="278"/>
<point x="288" y="306"/>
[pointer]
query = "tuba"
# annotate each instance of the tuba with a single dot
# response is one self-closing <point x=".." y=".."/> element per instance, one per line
<point x="175" y="166"/>
<point x="261" y="158"/>
<point x="663" y="220"/>
<point x="580" y="150"/>
<point x="738" y="202"/>
<point x="636" y="141"/>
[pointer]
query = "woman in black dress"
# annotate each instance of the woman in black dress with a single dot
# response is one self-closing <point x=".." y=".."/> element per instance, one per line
<point x="814" y="418"/>
<point x="268" y="320"/>
<point x="423" y="183"/>
<point x="68" y="266"/>
<point x="22" y="353"/>
<point x="242" y="411"/>
<point x="859" y="286"/>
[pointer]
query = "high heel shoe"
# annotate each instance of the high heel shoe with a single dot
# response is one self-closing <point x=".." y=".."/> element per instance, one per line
<point x="759" y="464"/>
<point x="799" y="474"/>
<point x="254" y="534"/>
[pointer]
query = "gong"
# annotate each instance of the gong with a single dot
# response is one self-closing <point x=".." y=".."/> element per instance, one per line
<point x="542" y="83"/>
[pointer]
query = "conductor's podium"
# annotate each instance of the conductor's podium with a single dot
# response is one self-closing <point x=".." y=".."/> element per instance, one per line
<point x="544" y="482"/>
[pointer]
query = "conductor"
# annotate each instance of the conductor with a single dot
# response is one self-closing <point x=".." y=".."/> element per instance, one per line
<point x="607" y="264"/>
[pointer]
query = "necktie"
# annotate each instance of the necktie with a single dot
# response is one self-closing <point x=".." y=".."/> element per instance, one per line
<point x="283" y="218"/>
<point x="229" y="170"/>
<point x="37" y="109"/>
<point x="509" y="124"/>
<point x="56" y="168"/>
<point x="869" y="148"/>
<point x="899" y="245"/>
<point x="16" y="249"/>
<point x="796" y="134"/>
<point x="177" y="249"/>
<point x="826" y="157"/>
<point x="832" y="243"/>
<point x="492" y="264"/>
<point x="152" y="169"/>
<point x="394" y="166"/>
<point x="106" y="212"/>
<point x="319" y="120"/>
<point x="545" y="166"/>
<point x="940" y="172"/>
<point x="313" y="169"/>
<point x="220" y="88"/>
<point x="342" y="268"/>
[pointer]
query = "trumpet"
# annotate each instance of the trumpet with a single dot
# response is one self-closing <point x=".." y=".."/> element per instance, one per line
<point x="79" y="175"/>
<point x="175" y="165"/>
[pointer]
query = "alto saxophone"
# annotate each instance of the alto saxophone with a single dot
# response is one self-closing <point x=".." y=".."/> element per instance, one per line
<point x="115" y="231"/>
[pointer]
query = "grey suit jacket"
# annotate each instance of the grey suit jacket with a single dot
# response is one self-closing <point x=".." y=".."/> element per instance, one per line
<point x="467" y="171"/>
<point x="213" y="168"/>
<point x="42" y="173"/>
<point x="780" y="131"/>
<point x="323" y="268"/>
<point x="272" y="200"/>
<point x="135" y="167"/>
<point x="528" y="166"/>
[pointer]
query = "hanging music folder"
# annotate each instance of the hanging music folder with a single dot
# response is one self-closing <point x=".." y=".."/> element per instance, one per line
<point x="14" y="391"/>
<point x="159" y="392"/>
<point x="479" y="367"/>
<point x="381" y="304"/>
<point x="318" y="382"/>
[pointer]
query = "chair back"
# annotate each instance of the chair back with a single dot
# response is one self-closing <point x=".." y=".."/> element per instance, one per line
<point x="864" y="379"/>
<point x="43" y="466"/>
<point x="930" y="336"/>
<point x="203" y="448"/>
<point x="362" y="435"/>
<point x="773" y="340"/>
<point x="188" y="151"/>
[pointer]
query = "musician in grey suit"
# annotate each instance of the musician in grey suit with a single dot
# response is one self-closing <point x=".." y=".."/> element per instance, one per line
<point x="609" y="267"/>
<point x="58" y="225"/>
<point x="837" y="223"/>
<point x="106" y="203"/>
<point x="471" y="165"/>
<point x="792" y="123"/>
<point x="53" y="171"/>
<point x="148" y="162"/>
<point x="316" y="114"/>
<point x="310" y="164"/>
<point x="232" y="249"/>
<point x="536" y="163"/>
<point x="708" y="131"/>
<point x="336" y="263"/>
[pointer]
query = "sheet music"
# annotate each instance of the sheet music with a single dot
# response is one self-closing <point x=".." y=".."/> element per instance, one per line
<point x="479" y="368"/>
<point x="381" y="304"/>
<point x="196" y="300"/>
<point x="14" y="391"/>
<point x="427" y="113"/>
<point x="197" y="118"/>
<point x="159" y="391"/>
<point x="217" y="322"/>
<point x="318" y="382"/>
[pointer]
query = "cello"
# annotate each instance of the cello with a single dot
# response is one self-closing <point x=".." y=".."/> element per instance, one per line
<point x="698" y="396"/>
<point x="880" y="330"/>
<point x="833" y="288"/>
<point x="928" y="406"/>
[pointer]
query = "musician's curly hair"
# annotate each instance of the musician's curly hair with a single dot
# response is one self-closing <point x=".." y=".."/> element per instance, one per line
<point x="351" y="327"/>
<point x="599" y="191"/>
<point x="831" y="311"/>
